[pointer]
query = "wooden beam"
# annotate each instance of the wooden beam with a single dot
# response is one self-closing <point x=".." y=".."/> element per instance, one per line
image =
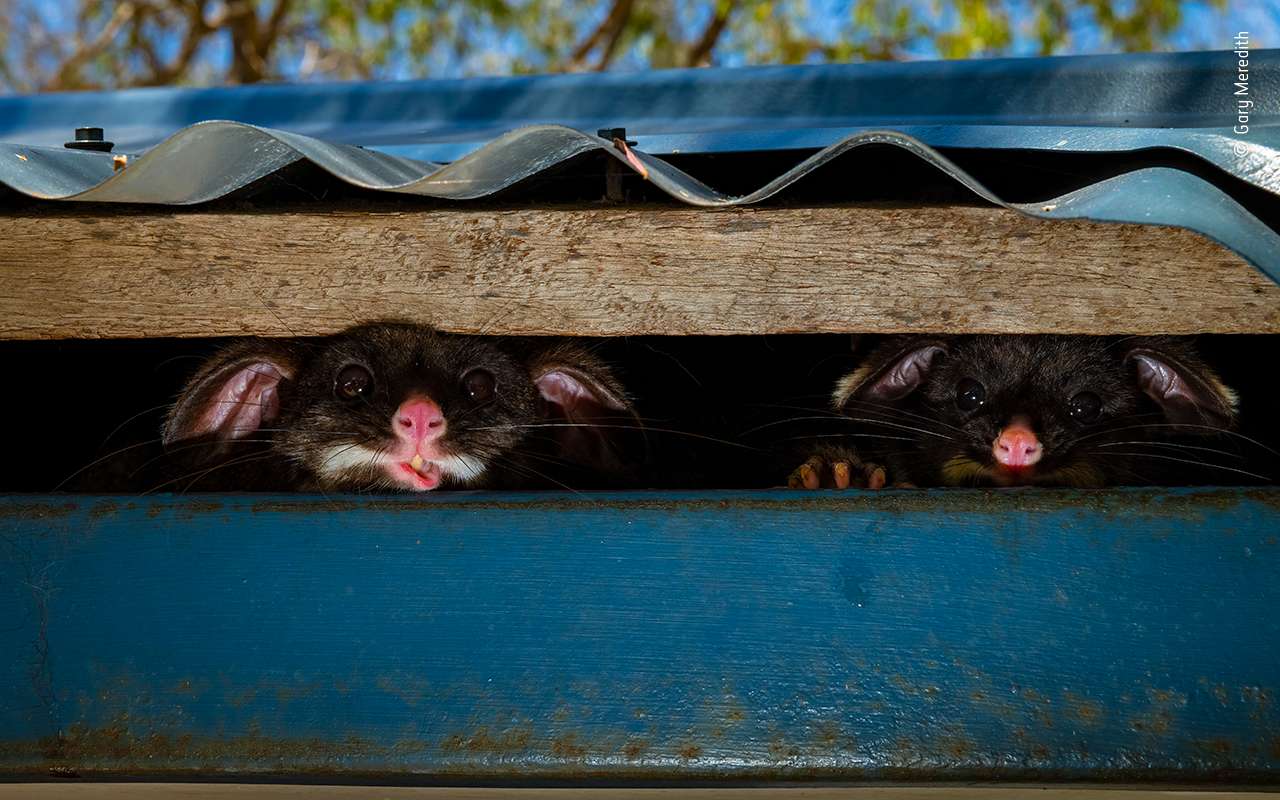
<point x="73" y="273"/>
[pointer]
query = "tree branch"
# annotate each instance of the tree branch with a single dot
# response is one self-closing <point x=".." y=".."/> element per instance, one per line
<point x="196" y="33"/>
<point x="614" y="35"/>
<point x="275" y="23"/>
<point x="700" y="53"/>
<point x="241" y="20"/>
<point x="611" y="26"/>
<point x="162" y="73"/>
<point x="68" y="71"/>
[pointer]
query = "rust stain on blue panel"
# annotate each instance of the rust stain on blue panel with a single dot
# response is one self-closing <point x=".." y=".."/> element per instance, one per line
<point x="1021" y="635"/>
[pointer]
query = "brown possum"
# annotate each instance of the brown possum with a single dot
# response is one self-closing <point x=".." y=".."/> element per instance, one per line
<point x="399" y="407"/>
<point x="1010" y="410"/>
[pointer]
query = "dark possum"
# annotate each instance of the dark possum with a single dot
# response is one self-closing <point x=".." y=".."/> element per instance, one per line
<point x="1027" y="410"/>
<point x="392" y="406"/>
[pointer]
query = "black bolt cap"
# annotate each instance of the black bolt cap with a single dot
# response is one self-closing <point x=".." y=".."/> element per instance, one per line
<point x="90" y="139"/>
<point x="614" y="133"/>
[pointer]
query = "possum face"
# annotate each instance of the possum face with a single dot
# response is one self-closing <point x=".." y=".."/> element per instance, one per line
<point x="1021" y="409"/>
<point x="396" y="406"/>
<point x="1036" y="410"/>
<point x="399" y="407"/>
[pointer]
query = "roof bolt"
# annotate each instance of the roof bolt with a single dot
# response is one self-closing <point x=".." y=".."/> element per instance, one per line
<point x="614" y="192"/>
<point x="90" y="139"/>
<point x="615" y="133"/>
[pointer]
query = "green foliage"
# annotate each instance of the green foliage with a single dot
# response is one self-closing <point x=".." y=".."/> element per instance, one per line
<point x="145" y="42"/>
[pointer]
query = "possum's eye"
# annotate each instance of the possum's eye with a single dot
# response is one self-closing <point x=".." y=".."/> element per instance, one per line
<point x="970" y="394"/>
<point x="1085" y="407"/>
<point x="479" y="385"/>
<point x="352" y="381"/>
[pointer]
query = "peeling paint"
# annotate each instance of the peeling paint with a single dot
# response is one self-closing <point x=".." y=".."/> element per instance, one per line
<point x="481" y="741"/>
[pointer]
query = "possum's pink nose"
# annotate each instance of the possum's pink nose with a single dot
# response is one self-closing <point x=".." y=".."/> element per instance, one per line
<point x="419" y="420"/>
<point x="1017" y="446"/>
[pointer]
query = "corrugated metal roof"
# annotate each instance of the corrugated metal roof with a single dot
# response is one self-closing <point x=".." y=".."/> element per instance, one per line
<point x="496" y="132"/>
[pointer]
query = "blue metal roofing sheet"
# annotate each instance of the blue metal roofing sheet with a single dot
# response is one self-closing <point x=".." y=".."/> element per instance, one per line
<point x="707" y="110"/>
<point x="496" y="132"/>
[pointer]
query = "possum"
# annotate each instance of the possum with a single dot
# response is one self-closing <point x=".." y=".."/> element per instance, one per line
<point x="398" y="407"/>
<point x="1046" y="410"/>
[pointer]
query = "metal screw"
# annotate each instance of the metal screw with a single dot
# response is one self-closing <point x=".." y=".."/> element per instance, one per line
<point x="614" y="173"/>
<point x="614" y="133"/>
<point x="90" y="139"/>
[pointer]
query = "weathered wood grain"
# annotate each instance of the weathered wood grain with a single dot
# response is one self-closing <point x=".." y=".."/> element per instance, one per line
<point x="615" y="271"/>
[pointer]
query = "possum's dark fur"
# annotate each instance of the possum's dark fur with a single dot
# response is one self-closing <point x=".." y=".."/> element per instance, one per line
<point x="1158" y="410"/>
<point x="290" y="429"/>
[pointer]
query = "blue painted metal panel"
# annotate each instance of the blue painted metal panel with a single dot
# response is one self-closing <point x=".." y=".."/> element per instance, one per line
<point x="1126" y="635"/>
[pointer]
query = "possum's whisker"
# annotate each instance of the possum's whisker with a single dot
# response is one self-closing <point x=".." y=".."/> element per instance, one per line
<point x="792" y="420"/>
<point x="546" y="459"/>
<point x="1213" y="428"/>
<point x="808" y="409"/>
<point x="886" y="408"/>
<point x="180" y="447"/>
<point x="192" y="444"/>
<point x="883" y="437"/>
<point x="496" y="452"/>
<point x="311" y="431"/>
<point x="791" y="400"/>
<point x="832" y="417"/>
<point x="1172" y="445"/>
<point x="527" y="470"/>
<point x="237" y="462"/>
<point x="273" y="313"/>
<point x="351" y="446"/>
<point x="1118" y="342"/>
<point x="1207" y="464"/>
<point x="1098" y="432"/>
<point x="197" y="475"/>
<point x="885" y="411"/>
<point x="638" y="428"/>
<point x="221" y="463"/>
<point x="677" y="362"/>
<point x="174" y="359"/>
<point x="865" y="406"/>
<point x="903" y="426"/>
<point x="141" y="413"/>
<point x="112" y="454"/>
<point x="375" y="457"/>
<point x="502" y="314"/>
<point x="175" y="447"/>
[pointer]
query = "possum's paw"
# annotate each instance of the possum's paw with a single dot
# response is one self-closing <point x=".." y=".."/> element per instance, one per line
<point x="837" y="469"/>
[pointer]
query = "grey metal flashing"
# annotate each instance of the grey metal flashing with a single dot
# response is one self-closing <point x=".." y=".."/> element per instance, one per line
<point x="208" y="160"/>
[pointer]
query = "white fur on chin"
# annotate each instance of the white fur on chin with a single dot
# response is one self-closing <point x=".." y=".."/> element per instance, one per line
<point x="339" y="459"/>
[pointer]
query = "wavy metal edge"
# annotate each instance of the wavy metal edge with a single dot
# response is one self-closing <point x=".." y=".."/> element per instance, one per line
<point x="211" y="159"/>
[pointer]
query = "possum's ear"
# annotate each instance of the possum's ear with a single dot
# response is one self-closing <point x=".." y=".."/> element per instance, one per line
<point x="586" y="408"/>
<point x="234" y="393"/>
<point x="891" y="372"/>
<point x="1172" y="374"/>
